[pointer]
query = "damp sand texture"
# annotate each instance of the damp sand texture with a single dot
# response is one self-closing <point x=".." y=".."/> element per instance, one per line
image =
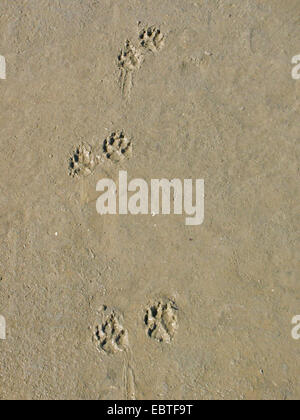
<point x="172" y="89"/>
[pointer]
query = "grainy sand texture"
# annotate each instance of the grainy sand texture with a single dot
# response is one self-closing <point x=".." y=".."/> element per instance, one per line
<point x="105" y="307"/>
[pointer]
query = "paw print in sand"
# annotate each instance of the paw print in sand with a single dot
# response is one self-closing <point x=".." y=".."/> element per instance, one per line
<point x="83" y="161"/>
<point x="152" y="39"/>
<point x="110" y="336"/>
<point x="117" y="147"/>
<point x="130" y="58"/>
<point x="161" y="321"/>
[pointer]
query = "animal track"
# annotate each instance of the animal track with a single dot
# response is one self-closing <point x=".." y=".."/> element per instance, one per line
<point x="86" y="158"/>
<point x="152" y="39"/>
<point x="130" y="60"/>
<point x="83" y="161"/>
<point x="161" y="321"/>
<point x="117" y="147"/>
<point x="110" y="336"/>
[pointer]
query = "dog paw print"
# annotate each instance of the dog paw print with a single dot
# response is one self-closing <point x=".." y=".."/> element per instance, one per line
<point x="110" y="336"/>
<point x="152" y="39"/>
<point x="130" y="58"/>
<point x="117" y="147"/>
<point x="161" y="321"/>
<point x="83" y="161"/>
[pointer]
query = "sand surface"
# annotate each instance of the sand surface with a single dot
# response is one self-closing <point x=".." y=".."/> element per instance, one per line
<point x="142" y="307"/>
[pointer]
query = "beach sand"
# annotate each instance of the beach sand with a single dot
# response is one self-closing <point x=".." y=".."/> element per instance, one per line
<point x="136" y="306"/>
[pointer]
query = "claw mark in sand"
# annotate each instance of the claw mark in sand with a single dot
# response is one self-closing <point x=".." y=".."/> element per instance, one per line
<point x="161" y="321"/>
<point x="130" y="60"/>
<point x="129" y="380"/>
